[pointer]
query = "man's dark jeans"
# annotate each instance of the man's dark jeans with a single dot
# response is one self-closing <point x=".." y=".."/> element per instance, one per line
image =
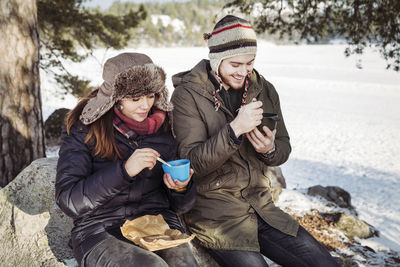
<point x="300" y="251"/>
<point x="113" y="252"/>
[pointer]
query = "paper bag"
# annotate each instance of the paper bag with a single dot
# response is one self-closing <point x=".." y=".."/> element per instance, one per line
<point x="153" y="233"/>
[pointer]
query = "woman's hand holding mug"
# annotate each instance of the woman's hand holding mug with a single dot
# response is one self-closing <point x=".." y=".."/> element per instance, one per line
<point x="176" y="184"/>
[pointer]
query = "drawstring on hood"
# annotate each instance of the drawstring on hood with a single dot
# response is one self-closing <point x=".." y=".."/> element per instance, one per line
<point x="217" y="104"/>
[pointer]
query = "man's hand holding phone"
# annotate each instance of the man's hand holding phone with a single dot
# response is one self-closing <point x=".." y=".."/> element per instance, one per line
<point x="248" y="118"/>
<point x="263" y="138"/>
<point x="262" y="143"/>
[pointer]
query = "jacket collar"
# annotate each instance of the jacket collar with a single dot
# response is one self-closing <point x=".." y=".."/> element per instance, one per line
<point x="200" y="83"/>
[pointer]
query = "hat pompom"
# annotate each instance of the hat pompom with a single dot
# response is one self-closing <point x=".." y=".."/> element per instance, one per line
<point x="207" y="36"/>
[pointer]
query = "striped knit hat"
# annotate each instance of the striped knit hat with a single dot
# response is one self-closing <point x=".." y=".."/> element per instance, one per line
<point x="231" y="36"/>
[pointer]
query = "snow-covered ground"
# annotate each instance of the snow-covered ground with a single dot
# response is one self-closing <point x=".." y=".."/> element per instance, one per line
<point x="344" y="122"/>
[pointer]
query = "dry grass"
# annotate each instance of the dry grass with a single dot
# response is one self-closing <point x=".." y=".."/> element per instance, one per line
<point x="322" y="227"/>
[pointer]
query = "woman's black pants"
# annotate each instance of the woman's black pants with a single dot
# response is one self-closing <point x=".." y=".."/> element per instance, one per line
<point x="113" y="252"/>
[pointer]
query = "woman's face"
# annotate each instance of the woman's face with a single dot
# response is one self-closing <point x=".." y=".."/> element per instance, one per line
<point x="137" y="108"/>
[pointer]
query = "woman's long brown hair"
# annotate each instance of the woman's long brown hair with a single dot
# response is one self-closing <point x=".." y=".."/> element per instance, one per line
<point x="101" y="131"/>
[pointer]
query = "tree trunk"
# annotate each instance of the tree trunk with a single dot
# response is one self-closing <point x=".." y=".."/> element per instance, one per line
<point x="21" y="124"/>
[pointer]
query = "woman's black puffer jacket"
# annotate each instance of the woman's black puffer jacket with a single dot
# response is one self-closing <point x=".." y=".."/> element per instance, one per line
<point x="99" y="195"/>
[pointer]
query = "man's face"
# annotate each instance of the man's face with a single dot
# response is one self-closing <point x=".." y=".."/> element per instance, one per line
<point x="234" y="70"/>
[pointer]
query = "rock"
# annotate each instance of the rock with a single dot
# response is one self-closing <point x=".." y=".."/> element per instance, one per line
<point x="277" y="171"/>
<point x="53" y="127"/>
<point x="343" y="262"/>
<point x="353" y="227"/>
<point x="334" y="194"/>
<point x="277" y="181"/>
<point x="35" y="232"/>
<point x="350" y="225"/>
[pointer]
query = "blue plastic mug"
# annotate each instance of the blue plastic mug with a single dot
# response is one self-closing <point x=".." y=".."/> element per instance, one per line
<point x="179" y="170"/>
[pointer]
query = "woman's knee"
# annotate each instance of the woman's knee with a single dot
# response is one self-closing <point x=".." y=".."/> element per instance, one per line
<point x="137" y="256"/>
<point x="113" y="252"/>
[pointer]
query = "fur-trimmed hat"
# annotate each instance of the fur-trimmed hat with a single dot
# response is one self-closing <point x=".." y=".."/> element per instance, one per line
<point x="231" y="36"/>
<point x="127" y="75"/>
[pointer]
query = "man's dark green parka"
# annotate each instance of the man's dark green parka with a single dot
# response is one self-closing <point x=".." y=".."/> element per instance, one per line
<point x="230" y="177"/>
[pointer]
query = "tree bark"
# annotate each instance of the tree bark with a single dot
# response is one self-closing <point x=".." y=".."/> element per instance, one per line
<point x="21" y="124"/>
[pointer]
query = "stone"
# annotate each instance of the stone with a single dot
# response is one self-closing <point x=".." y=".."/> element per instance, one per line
<point x="277" y="171"/>
<point x="53" y="127"/>
<point x="353" y="227"/>
<point x="334" y="194"/>
<point x="35" y="232"/>
<point x="343" y="262"/>
<point x="349" y="224"/>
<point x="277" y="181"/>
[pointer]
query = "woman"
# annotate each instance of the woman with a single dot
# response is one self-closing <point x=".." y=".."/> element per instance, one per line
<point x="107" y="170"/>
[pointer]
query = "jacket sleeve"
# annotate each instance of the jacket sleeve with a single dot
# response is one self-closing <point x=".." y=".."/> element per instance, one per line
<point x="78" y="190"/>
<point x="182" y="202"/>
<point x="282" y="140"/>
<point x="206" y="154"/>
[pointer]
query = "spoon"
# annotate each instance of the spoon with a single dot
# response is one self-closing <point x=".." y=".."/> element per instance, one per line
<point x="163" y="161"/>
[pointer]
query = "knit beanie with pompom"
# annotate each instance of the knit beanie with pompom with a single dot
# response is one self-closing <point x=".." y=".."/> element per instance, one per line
<point x="231" y="36"/>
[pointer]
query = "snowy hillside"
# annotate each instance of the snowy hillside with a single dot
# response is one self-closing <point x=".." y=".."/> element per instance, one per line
<point x="344" y="122"/>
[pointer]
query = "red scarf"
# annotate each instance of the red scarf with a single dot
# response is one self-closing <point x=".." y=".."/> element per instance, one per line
<point x="131" y="128"/>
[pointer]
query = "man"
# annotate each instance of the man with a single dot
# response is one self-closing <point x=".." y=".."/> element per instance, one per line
<point x="217" y="107"/>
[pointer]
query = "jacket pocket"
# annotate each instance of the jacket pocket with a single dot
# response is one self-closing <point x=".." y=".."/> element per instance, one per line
<point x="216" y="179"/>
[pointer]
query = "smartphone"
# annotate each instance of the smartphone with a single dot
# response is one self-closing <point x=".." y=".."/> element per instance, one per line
<point x="271" y="116"/>
<point x="270" y="120"/>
